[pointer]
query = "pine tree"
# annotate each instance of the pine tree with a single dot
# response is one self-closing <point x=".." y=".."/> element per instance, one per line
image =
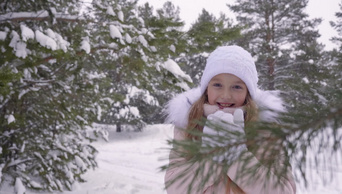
<point x="60" y="71"/>
<point x="128" y="51"/>
<point x="207" y="33"/>
<point x="47" y="98"/>
<point x="319" y="114"/>
<point x="278" y="33"/>
<point x="167" y="28"/>
<point x="114" y="29"/>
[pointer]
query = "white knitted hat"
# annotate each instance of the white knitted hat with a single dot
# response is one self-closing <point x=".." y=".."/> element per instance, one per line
<point x="234" y="60"/>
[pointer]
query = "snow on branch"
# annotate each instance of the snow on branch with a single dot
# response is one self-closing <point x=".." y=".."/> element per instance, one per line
<point x="39" y="15"/>
<point x="173" y="67"/>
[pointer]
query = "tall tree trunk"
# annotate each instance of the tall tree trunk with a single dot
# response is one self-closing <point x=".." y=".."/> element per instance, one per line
<point x="118" y="127"/>
<point x="270" y="65"/>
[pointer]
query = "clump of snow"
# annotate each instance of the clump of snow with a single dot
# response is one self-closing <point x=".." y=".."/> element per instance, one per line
<point x="27" y="73"/>
<point x="45" y="40"/>
<point x="114" y="32"/>
<point x="96" y="75"/>
<point x="172" y="48"/>
<point x="26" y="33"/>
<point x="173" y="67"/>
<point x="79" y="162"/>
<point x="122" y="42"/>
<point x="144" y="30"/>
<point x="134" y="111"/>
<point x="306" y="80"/>
<point x="61" y="43"/>
<point x="10" y="119"/>
<point x="143" y="41"/>
<point x="128" y="38"/>
<point x="147" y="97"/>
<point x="124" y="112"/>
<point x="85" y="45"/>
<point x="110" y="11"/>
<point x="53" y="10"/>
<point x="153" y="49"/>
<point x="19" y="186"/>
<point x="183" y="85"/>
<point x="121" y="16"/>
<point x="3" y="35"/>
<point x="19" y="47"/>
<point x="34" y="184"/>
<point x="151" y="35"/>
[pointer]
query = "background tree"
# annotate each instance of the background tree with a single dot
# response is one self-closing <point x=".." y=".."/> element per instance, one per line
<point x="169" y="42"/>
<point x="137" y="72"/>
<point x="60" y="71"/>
<point x="207" y="33"/>
<point x="281" y="37"/>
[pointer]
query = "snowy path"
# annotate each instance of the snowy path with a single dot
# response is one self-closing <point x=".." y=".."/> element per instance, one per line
<point x="129" y="163"/>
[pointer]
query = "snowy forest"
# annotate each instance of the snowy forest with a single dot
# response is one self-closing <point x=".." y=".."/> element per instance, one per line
<point x="69" y="64"/>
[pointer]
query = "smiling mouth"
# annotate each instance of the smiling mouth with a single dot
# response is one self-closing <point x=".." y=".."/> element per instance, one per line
<point x="225" y="105"/>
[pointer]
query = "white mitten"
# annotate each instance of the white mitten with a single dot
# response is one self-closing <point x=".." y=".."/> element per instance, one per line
<point x="228" y="125"/>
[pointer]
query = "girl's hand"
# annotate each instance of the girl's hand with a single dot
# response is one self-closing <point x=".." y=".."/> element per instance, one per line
<point x="226" y="120"/>
<point x="220" y="133"/>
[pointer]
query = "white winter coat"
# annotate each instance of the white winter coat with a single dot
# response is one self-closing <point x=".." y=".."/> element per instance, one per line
<point x="177" y="111"/>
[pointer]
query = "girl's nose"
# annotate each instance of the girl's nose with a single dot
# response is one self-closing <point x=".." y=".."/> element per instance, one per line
<point x="226" y="94"/>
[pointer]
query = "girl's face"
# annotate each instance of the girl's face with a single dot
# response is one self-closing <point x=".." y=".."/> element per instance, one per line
<point x="226" y="90"/>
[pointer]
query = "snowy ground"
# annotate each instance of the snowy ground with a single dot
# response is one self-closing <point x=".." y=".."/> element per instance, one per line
<point x="129" y="162"/>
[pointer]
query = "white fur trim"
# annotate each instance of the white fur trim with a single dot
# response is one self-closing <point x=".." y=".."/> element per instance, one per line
<point x="177" y="109"/>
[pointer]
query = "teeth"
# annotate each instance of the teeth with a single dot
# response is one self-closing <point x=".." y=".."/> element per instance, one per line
<point x="225" y="104"/>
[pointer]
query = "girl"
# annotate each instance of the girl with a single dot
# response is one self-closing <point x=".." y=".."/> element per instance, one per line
<point x="228" y="95"/>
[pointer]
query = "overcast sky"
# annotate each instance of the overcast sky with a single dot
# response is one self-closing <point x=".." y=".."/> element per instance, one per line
<point x="190" y="9"/>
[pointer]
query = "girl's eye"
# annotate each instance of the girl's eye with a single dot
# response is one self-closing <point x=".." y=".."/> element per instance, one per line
<point x="217" y="85"/>
<point x="237" y="87"/>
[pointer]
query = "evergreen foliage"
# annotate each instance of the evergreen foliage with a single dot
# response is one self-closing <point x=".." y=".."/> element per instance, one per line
<point x="135" y="62"/>
<point x="282" y="38"/>
<point x="207" y="33"/>
<point x="169" y="42"/>
<point x="45" y="105"/>
<point x="62" y="68"/>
